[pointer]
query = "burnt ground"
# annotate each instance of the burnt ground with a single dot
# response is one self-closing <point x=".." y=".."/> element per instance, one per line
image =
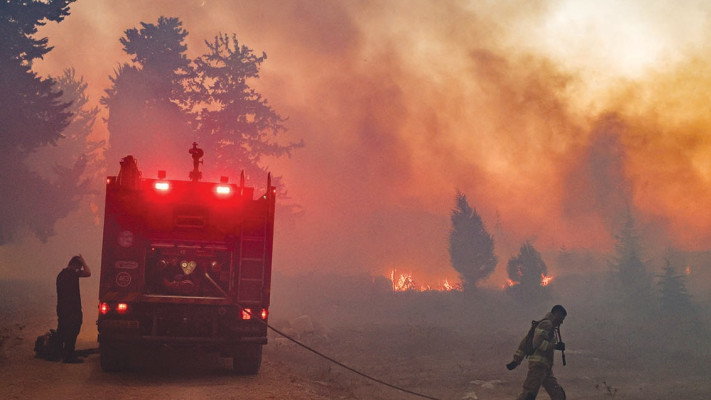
<point x="444" y="345"/>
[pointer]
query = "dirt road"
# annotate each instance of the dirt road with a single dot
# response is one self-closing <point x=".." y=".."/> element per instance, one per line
<point x="162" y="375"/>
<point x="446" y="346"/>
<point x="434" y="362"/>
<point x="288" y="371"/>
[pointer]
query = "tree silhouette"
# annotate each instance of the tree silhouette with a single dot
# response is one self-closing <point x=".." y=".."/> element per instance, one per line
<point x="234" y="121"/>
<point x="677" y="307"/>
<point x="526" y="271"/>
<point x="32" y="114"/>
<point x="629" y="271"/>
<point x="144" y="101"/>
<point x="75" y="141"/>
<point x="674" y="298"/>
<point x="68" y="167"/>
<point x="471" y="247"/>
<point x="164" y="101"/>
<point x="31" y="111"/>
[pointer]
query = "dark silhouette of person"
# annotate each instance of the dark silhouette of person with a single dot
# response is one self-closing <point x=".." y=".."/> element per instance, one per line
<point x="69" y="313"/>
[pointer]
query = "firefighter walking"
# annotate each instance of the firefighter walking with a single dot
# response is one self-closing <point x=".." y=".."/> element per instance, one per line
<point x="545" y="340"/>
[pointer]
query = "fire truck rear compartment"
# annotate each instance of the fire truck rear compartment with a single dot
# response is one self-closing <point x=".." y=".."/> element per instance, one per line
<point x="190" y="271"/>
<point x="176" y="323"/>
<point x="185" y="263"/>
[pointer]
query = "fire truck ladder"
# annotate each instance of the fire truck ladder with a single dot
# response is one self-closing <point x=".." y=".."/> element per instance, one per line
<point x="252" y="260"/>
<point x="254" y="248"/>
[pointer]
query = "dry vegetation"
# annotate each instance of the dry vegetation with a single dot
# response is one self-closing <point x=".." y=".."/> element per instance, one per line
<point x="448" y="345"/>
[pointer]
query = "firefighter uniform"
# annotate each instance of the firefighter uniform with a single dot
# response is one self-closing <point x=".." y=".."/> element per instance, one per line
<point x="69" y="314"/>
<point x="540" y="363"/>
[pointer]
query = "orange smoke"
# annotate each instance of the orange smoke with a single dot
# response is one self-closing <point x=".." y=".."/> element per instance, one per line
<point x="396" y="119"/>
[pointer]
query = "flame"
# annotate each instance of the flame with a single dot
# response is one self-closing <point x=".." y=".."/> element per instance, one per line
<point x="545" y="280"/>
<point x="402" y="282"/>
<point x="449" y="287"/>
<point x="688" y="271"/>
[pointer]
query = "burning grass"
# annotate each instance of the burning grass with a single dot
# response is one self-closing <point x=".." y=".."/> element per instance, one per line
<point x="403" y="282"/>
<point x="441" y="341"/>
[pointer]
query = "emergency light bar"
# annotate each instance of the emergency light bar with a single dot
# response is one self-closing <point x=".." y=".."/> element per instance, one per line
<point x="220" y="189"/>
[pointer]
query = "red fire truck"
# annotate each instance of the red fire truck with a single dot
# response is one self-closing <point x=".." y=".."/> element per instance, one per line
<point x="184" y="263"/>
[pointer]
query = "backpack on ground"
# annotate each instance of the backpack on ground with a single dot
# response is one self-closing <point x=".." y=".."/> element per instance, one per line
<point x="49" y="346"/>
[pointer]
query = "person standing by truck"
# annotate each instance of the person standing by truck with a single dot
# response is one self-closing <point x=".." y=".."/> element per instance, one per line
<point x="69" y="314"/>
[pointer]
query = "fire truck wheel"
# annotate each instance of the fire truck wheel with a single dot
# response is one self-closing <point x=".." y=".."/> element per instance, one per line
<point x="247" y="359"/>
<point x="112" y="358"/>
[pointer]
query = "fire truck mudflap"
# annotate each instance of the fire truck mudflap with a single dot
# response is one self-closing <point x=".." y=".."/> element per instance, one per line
<point x="184" y="264"/>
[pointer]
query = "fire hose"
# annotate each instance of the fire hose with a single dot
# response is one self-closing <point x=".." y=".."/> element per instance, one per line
<point x="318" y="353"/>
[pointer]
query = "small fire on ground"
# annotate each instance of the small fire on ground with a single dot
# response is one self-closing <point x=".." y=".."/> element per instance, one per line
<point x="403" y="282"/>
<point x="545" y="281"/>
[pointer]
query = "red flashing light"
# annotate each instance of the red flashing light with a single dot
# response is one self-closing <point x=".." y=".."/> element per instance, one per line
<point x="248" y="314"/>
<point x="105" y="308"/>
<point x="162" y="186"/>
<point x="223" y="190"/>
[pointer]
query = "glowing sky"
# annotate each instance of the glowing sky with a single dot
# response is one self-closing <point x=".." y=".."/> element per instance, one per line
<point x="551" y="116"/>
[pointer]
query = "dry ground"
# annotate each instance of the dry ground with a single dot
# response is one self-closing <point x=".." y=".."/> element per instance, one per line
<point x="447" y="346"/>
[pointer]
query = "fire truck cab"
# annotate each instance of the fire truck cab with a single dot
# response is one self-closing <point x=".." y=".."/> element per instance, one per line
<point x="184" y="263"/>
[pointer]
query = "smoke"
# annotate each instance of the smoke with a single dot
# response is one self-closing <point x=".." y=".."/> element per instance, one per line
<point x="400" y="103"/>
<point x="599" y="194"/>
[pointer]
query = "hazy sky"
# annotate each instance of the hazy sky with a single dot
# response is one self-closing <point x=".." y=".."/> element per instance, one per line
<point x="553" y="117"/>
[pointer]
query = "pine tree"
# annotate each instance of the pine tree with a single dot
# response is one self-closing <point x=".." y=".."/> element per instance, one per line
<point x="526" y="270"/>
<point x="471" y="247"/>
<point x="71" y="166"/>
<point x="629" y="271"/>
<point x="164" y="101"/>
<point x="677" y="308"/>
<point x="31" y="111"/>
<point x="32" y="115"/>
<point x="674" y="298"/>
<point x="234" y="122"/>
<point x="76" y="142"/>
<point x="146" y="100"/>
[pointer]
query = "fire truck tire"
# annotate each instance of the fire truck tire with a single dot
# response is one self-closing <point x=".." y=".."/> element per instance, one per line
<point x="112" y="358"/>
<point x="247" y="359"/>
